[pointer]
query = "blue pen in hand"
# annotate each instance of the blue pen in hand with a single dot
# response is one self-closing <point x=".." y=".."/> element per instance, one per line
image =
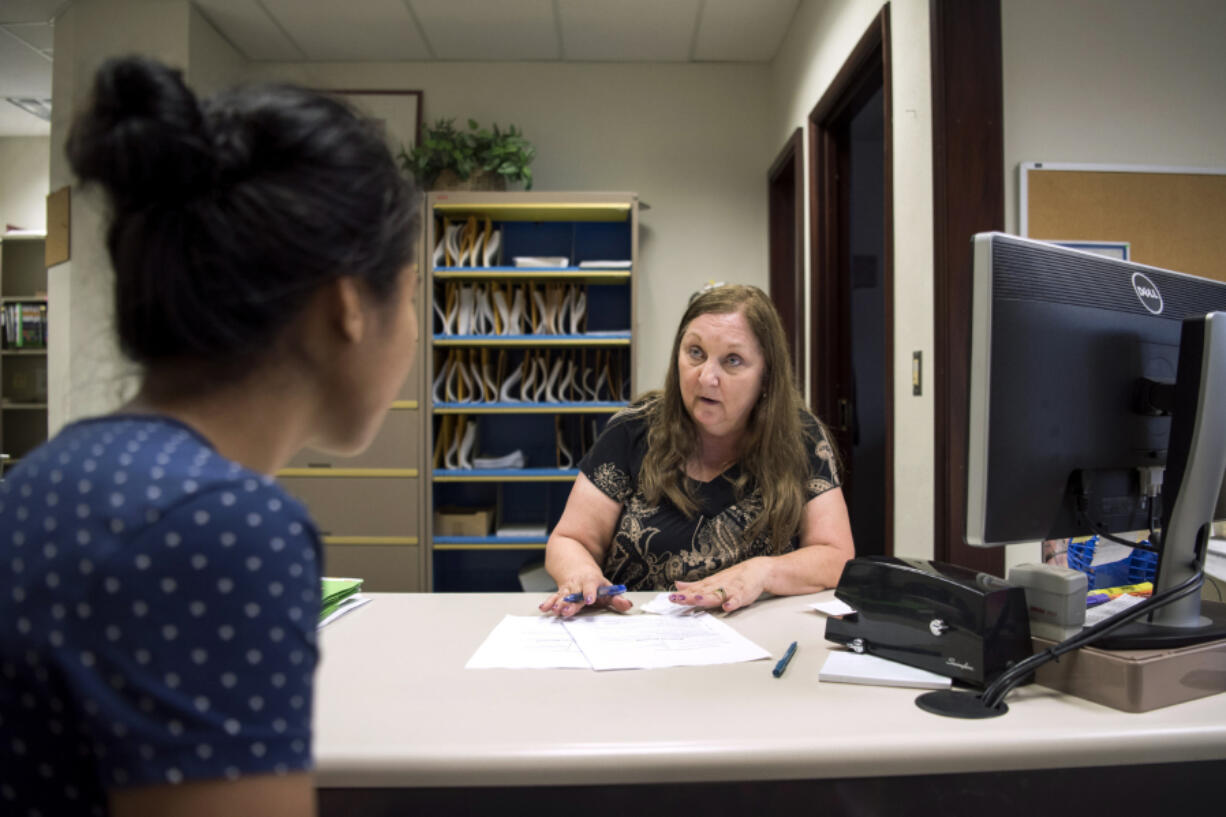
<point x="607" y="590"/>
<point x="783" y="662"/>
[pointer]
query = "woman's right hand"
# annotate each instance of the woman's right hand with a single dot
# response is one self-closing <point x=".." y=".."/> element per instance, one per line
<point x="586" y="582"/>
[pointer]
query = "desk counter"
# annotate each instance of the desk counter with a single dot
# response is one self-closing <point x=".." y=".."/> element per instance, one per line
<point x="395" y="707"/>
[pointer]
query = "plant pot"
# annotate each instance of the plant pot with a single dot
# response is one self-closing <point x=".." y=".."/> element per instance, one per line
<point x="477" y="180"/>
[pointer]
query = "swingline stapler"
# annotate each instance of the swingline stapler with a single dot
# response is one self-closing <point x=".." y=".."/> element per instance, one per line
<point x="939" y="617"/>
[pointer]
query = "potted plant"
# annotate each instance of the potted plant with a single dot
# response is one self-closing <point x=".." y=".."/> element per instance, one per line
<point x="477" y="158"/>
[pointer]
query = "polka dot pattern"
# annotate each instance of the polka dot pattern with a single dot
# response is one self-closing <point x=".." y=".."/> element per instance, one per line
<point x="156" y="618"/>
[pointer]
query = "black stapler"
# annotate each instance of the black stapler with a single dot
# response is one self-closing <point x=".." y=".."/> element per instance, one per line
<point x="939" y="617"/>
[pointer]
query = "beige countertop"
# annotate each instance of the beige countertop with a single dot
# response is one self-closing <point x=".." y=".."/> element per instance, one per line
<point x="395" y="707"/>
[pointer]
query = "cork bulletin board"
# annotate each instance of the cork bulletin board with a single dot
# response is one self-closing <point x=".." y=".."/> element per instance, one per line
<point x="1172" y="217"/>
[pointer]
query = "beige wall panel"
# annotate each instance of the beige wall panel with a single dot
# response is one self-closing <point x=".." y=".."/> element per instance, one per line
<point x="360" y="506"/>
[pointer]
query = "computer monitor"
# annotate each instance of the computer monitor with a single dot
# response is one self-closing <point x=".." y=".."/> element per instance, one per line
<point x="1097" y="405"/>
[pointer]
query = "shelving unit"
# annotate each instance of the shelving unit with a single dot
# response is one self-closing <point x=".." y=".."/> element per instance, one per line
<point x="577" y="227"/>
<point x="23" y="346"/>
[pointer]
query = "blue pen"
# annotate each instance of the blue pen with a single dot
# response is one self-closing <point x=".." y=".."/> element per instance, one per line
<point x="607" y="590"/>
<point x="783" y="662"/>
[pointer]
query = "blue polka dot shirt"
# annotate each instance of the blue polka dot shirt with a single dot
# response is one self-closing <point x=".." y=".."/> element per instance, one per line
<point x="158" y="606"/>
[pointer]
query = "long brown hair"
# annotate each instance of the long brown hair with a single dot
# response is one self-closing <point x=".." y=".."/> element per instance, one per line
<point x="773" y="452"/>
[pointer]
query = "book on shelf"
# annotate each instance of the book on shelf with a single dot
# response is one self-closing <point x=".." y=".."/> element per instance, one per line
<point x="23" y="325"/>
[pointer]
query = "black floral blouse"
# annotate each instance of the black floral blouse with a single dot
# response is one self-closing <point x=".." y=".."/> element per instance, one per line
<point x="656" y="545"/>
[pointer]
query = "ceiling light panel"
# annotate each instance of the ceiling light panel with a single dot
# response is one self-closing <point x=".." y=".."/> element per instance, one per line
<point x="366" y="30"/>
<point x="477" y="30"/>
<point x="628" y="30"/>
<point x="737" y="31"/>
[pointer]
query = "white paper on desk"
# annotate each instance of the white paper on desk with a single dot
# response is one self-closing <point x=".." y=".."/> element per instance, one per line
<point x="834" y="607"/>
<point x="861" y="668"/>
<point x="528" y="642"/>
<point x="650" y="642"/>
<point x="661" y="606"/>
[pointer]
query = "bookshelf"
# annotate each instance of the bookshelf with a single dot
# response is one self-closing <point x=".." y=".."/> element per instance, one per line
<point x="526" y="358"/>
<point x="23" y="346"/>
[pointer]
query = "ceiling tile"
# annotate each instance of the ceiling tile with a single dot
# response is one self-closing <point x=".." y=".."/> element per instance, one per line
<point x="739" y="31"/>
<point x="24" y="71"/>
<point x="40" y="36"/>
<point x="30" y="11"/>
<point x="628" y="30"/>
<point x="481" y="30"/>
<point x="350" y="30"/>
<point x="249" y="28"/>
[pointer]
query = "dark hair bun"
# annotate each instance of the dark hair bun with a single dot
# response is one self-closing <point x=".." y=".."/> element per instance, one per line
<point x="142" y="137"/>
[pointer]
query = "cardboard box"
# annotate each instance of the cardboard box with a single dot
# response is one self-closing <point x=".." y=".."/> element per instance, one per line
<point x="455" y="521"/>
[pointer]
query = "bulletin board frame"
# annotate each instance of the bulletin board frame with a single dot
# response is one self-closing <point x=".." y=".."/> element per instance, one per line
<point x="1171" y="217"/>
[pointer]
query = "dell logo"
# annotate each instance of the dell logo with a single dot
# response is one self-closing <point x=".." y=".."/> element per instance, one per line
<point x="1147" y="292"/>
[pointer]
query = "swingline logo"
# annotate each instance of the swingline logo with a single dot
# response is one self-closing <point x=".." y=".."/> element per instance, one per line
<point x="1147" y="293"/>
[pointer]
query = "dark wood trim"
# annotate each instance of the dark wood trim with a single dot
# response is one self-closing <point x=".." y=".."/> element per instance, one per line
<point x="968" y="197"/>
<point x="370" y="92"/>
<point x="866" y="69"/>
<point x="887" y="266"/>
<point x="790" y="300"/>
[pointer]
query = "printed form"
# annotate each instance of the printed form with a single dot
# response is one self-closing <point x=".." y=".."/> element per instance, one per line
<point x="605" y="642"/>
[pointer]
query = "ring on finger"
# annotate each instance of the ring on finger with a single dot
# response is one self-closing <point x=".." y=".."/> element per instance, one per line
<point x="723" y="594"/>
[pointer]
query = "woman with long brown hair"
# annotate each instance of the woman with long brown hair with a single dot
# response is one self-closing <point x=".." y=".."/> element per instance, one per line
<point x="720" y="487"/>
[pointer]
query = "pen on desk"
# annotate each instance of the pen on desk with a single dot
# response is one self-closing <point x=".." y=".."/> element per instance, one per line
<point x="783" y="662"/>
<point x="607" y="590"/>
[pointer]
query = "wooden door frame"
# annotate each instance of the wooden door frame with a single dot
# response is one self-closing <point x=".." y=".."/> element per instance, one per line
<point x="792" y="312"/>
<point x="968" y="197"/>
<point x="854" y="83"/>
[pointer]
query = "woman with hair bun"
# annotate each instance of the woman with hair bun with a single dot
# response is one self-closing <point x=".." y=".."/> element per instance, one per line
<point x="161" y="590"/>
<point x="719" y="488"/>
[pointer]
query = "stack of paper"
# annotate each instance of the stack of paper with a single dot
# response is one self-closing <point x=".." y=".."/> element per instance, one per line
<point x="617" y="264"/>
<point x="541" y="261"/>
<point x="340" y="596"/>
<point x="857" y="668"/>
<point x="606" y="642"/>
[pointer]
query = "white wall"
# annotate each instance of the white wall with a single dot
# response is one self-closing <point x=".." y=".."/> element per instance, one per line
<point x="23" y="181"/>
<point x="691" y="140"/>
<point x="1113" y="81"/>
<point x="820" y="39"/>
<point x="87" y="375"/>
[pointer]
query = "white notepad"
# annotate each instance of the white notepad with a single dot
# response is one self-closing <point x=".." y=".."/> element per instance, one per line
<point x="855" y="668"/>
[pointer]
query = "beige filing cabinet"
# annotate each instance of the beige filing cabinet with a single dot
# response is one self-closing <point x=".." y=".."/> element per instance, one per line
<point x="369" y="507"/>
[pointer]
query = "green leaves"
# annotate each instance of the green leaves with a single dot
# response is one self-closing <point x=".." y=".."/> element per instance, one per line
<point x="443" y="146"/>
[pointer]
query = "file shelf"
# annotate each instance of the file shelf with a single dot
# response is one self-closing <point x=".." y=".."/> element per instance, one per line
<point x="23" y="346"/>
<point x="528" y="408"/>
<point x="573" y="339"/>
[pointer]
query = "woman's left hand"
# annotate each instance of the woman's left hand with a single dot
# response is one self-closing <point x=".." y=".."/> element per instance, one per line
<point x="730" y="589"/>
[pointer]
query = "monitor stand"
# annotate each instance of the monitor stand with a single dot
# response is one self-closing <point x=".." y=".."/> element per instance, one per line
<point x="1196" y="461"/>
